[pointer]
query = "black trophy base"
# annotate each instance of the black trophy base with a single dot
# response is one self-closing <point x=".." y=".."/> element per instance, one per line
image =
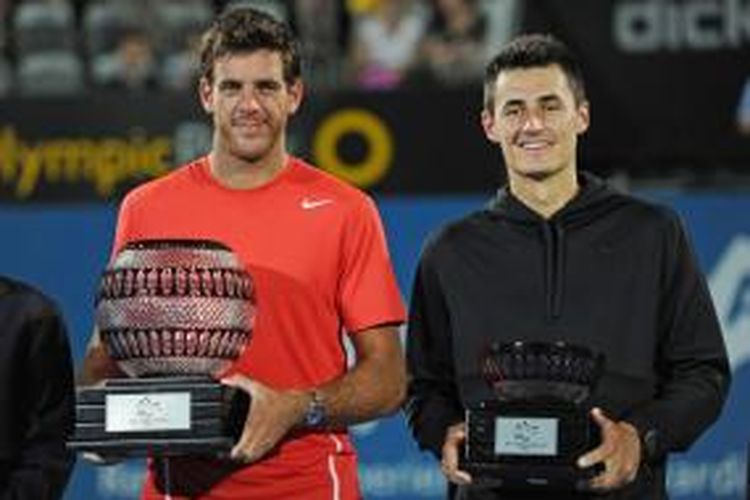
<point x="519" y="477"/>
<point x="167" y="416"/>
<point x="525" y="445"/>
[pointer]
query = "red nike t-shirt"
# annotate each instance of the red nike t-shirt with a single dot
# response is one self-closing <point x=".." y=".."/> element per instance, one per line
<point x="316" y="250"/>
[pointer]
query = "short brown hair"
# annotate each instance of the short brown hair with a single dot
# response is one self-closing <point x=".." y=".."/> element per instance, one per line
<point x="534" y="51"/>
<point x="244" y="29"/>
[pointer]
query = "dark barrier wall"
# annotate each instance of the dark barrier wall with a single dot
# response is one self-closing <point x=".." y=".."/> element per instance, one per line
<point x="62" y="249"/>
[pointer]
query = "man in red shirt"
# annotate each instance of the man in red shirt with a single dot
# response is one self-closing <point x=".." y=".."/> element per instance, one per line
<point x="318" y="256"/>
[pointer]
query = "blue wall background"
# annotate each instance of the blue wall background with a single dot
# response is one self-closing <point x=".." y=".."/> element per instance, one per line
<point x="62" y="249"/>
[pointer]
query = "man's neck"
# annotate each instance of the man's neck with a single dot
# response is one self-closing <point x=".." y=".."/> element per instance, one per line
<point x="237" y="173"/>
<point x="545" y="196"/>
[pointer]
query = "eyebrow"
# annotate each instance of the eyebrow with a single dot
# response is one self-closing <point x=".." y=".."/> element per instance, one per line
<point x="229" y="83"/>
<point x="260" y="83"/>
<point x="546" y="98"/>
<point x="550" y="98"/>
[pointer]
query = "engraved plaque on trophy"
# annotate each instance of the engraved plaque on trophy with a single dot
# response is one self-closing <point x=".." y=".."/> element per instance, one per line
<point x="173" y="315"/>
<point x="530" y="435"/>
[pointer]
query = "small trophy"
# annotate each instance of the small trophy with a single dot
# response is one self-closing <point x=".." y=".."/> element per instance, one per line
<point x="174" y="315"/>
<point x="530" y="436"/>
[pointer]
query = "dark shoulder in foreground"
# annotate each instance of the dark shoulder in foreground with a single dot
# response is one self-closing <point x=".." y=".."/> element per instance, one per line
<point x="33" y="300"/>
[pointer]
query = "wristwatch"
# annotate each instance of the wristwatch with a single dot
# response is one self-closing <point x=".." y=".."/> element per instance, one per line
<point x="649" y="445"/>
<point x="315" y="415"/>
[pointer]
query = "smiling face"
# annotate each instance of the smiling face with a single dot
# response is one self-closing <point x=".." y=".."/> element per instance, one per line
<point x="251" y="104"/>
<point x="536" y="121"/>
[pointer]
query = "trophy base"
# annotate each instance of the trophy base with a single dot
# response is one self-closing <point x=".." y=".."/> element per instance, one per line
<point x="529" y="445"/>
<point x="166" y="416"/>
<point x="529" y="477"/>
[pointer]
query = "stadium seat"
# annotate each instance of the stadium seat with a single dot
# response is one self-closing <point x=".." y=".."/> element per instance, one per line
<point x="179" y="21"/>
<point x="50" y="73"/>
<point x="42" y="26"/>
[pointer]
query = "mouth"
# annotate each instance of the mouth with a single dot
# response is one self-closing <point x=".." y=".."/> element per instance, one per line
<point x="248" y="126"/>
<point x="534" y="146"/>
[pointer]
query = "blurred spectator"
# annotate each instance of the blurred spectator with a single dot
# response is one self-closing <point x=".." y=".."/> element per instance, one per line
<point x="180" y="69"/>
<point x="3" y="30"/>
<point x="275" y="8"/>
<point x="384" y="44"/>
<point x="131" y="65"/>
<point x="321" y="27"/>
<point x="504" y="22"/>
<point x="4" y="9"/>
<point x="454" y="48"/>
<point x="181" y="23"/>
<point x="743" y="113"/>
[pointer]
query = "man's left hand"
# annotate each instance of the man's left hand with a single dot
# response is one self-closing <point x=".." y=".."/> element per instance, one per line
<point x="272" y="414"/>
<point x="620" y="452"/>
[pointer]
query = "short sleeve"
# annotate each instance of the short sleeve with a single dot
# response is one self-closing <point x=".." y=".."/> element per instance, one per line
<point x="368" y="293"/>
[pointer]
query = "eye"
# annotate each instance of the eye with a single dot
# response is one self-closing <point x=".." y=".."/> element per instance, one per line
<point x="511" y="111"/>
<point x="552" y="105"/>
<point x="268" y="87"/>
<point x="229" y="87"/>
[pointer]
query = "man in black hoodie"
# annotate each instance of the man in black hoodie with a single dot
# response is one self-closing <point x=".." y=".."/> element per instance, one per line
<point x="558" y="255"/>
<point x="36" y="396"/>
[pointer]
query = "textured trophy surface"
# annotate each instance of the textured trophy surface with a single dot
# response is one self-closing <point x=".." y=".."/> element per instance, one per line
<point x="530" y="435"/>
<point x="174" y="315"/>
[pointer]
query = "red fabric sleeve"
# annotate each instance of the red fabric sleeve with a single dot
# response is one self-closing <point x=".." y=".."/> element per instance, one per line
<point x="368" y="293"/>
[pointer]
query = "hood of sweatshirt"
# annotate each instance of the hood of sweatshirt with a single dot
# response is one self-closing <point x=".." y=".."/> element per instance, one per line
<point x="594" y="198"/>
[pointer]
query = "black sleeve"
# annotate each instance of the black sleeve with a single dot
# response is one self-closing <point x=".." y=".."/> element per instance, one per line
<point x="43" y="466"/>
<point x="433" y="402"/>
<point x="692" y="361"/>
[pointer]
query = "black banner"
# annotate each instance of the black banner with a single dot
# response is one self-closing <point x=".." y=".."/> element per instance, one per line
<point x="665" y="79"/>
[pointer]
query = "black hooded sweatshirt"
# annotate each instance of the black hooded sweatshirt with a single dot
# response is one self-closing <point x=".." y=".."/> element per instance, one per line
<point x="36" y="396"/>
<point x="608" y="271"/>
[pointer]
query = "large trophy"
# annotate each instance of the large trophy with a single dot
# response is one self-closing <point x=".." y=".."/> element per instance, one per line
<point x="174" y="315"/>
<point x="530" y="435"/>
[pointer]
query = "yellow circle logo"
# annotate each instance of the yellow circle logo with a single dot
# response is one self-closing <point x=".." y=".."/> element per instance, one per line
<point x="373" y="131"/>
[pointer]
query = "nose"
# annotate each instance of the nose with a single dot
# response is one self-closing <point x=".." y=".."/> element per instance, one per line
<point x="248" y="100"/>
<point x="534" y="120"/>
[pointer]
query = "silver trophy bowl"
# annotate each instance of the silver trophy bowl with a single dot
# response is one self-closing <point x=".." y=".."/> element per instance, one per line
<point x="175" y="308"/>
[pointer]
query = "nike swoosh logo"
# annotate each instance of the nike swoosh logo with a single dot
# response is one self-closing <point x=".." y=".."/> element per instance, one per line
<point x="311" y="203"/>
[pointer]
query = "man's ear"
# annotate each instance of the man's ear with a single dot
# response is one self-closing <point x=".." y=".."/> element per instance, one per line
<point x="206" y="94"/>
<point x="488" y="124"/>
<point x="584" y="117"/>
<point x="296" y="92"/>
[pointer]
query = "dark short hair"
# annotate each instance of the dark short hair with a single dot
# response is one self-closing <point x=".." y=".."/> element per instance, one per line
<point x="533" y="51"/>
<point x="244" y="29"/>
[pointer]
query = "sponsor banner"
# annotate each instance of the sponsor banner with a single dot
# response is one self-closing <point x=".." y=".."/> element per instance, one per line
<point x="94" y="148"/>
<point x="392" y="468"/>
<point x="664" y="80"/>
